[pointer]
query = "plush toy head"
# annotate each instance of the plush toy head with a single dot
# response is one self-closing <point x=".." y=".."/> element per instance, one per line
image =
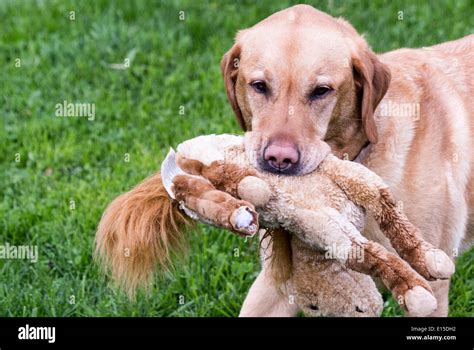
<point x="325" y="287"/>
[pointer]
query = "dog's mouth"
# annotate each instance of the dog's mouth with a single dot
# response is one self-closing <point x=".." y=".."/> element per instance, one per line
<point x="287" y="170"/>
<point x="311" y="153"/>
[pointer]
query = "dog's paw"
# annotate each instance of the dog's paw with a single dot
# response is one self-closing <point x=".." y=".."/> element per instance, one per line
<point x="420" y="302"/>
<point x="244" y="220"/>
<point x="438" y="264"/>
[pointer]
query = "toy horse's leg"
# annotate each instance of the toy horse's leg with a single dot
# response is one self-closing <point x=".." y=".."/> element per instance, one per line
<point x="411" y="291"/>
<point x="214" y="206"/>
<point x="367" y="190"/>
<point x="224" y="176"/>
<point x="203" y="202"/>
<point x="325" y="228"/>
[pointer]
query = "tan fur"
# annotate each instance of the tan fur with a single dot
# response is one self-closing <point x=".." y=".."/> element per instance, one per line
<point x="425" y="158"/>
<point x="140" y="229"/>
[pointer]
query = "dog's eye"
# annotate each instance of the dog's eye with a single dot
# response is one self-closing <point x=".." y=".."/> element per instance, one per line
<point x="320" y="91"/>
<point x="259" y="86"/>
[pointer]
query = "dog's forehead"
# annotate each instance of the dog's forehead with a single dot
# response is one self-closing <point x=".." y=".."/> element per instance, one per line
<point x="299" y="15"/>
<point x="294" y="47"/>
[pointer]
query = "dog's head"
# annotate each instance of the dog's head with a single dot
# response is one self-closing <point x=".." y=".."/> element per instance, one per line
<point x="301" y="83"/>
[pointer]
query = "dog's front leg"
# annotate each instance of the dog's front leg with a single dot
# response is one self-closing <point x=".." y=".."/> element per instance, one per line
<point x="267" y="297"/>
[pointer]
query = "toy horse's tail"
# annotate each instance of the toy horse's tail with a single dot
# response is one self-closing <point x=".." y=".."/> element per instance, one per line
<point x="139" y="230"/>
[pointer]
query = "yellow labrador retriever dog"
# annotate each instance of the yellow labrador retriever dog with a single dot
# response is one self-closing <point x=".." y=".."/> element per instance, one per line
<point x="301" y="79"/>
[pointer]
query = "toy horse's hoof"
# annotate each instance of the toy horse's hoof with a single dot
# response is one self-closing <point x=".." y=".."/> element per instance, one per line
<point x="438" y="264"/>
<point x="420" y="302"/>
<point x="254" y="190"/>
<point x="244" y="220"/>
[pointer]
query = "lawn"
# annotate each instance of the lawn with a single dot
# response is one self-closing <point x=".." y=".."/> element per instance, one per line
<point x="154" y="78"/>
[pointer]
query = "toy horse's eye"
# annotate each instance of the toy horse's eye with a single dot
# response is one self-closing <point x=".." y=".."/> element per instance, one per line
<point x="358" y="309"/>
<point x="314" y="307"/>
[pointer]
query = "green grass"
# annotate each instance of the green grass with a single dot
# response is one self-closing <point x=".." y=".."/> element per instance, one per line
<point x="175" y="63"/>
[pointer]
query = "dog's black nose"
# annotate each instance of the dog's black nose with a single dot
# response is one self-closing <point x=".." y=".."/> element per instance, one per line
<point x="281" y="158"/>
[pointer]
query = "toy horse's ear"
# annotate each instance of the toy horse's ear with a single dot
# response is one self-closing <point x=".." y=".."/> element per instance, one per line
<point x="230" y="67"/>
<point x="169" y="169"/>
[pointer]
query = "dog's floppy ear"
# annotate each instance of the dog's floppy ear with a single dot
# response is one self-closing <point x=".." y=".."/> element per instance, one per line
<point x="229" y="67"/>
<point x="373" y="78"/>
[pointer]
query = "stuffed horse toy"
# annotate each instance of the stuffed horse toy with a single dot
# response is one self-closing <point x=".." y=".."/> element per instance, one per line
<point x="210" y="180"/>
